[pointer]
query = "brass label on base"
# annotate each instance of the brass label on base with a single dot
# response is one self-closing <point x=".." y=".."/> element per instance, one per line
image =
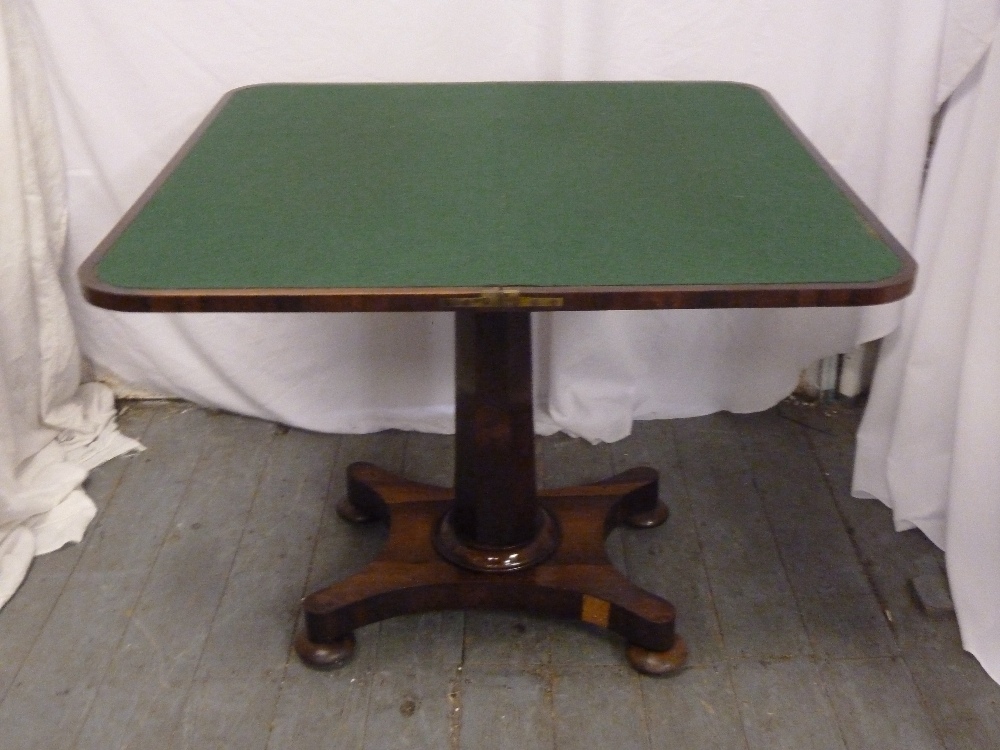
<point x="595" y="611"/>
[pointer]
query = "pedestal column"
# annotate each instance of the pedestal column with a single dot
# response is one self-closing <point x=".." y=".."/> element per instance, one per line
<point x="496" y="523"/>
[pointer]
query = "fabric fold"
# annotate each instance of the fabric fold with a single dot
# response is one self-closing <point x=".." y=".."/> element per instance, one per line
<point x="52" y="430"/>
<point x="928" y="443"/>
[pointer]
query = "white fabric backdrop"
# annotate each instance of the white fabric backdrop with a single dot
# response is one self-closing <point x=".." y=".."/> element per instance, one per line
<point x="133" y="79"/>
<point x="52" y="430"/>
<point x="929" y="445"/>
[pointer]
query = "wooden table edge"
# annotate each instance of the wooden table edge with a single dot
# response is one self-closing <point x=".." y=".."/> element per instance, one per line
<point x="429" y="299"/>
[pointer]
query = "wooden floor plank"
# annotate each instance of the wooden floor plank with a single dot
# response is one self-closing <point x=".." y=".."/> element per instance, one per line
<point x="878" y="706"/>
<point x="563" y="461"/>
<point x="430" y="458"/>
<point x="508" y="640"/>
<point x="343" y="548"/>
<point x="418" y="662"/>
<point x="834" y="593"/>
<point x="694" y="709"/>
<point x="506" y="709"/>
<point x="847" y="627"/>
<point x="236" y="685"/>
<point x="330" y="709"/>
<point x="83" y="634"/>
<point x="323" y="709"/>
<point x="816" y="551"/>
<point x="958" y="695"/>
<point x="410" y="709"/>
<point x="729" y="513"/>
<point x="423" y="644"/>
<point x="784" y="706"/>
<point x="760" y="618"/>
<point x="575" y="644"/>
<point x="140" y="702"/>
<point x="413" y="642"/>
<point x="757" y="610"/>
<point x="599" y="707"/>
<point x="129" y="534"/>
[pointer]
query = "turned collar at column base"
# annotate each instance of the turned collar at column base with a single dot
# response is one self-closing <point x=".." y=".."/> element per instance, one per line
<point x="452" y="548"/>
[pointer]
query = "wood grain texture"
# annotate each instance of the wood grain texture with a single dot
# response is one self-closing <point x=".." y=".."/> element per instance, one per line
<point x="508" y="640"/>
<point x="958" y="697"/>
<point x="83" y="636"/>
<point x="410" y="709"/>
<point x="878" y="705"/>
<point x="599" y="707"/>
<point x="141" y="699"/>
<point x="701" y="712"/>
<point x="315" y="711"/>
<point x="506" y="709"/>
<point x="232" y="700"/>
<point x="785" y="707"/>
<point x="753" y="599"/>
<point x="409" y="576"/>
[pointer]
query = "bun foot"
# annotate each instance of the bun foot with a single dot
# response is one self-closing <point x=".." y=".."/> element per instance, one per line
<point x="650" y="518"/>
<point x="658" y="663"/>
<point x="350" y="512"/>
<point x="325" y="655"/>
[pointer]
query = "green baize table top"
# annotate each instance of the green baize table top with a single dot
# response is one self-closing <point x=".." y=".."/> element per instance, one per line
<point x="464" y="187"/>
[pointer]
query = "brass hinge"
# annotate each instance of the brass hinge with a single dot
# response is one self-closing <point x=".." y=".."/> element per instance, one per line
<point x="503" y="298"/>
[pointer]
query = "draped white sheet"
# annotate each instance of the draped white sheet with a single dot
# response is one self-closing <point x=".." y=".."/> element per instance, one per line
<point x="929" y="445"/>
<point x="52" y="429"/>
<point x="861" y="77"/>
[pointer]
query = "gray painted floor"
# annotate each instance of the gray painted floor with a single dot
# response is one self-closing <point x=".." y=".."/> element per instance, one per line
<point x="170" y="625"/>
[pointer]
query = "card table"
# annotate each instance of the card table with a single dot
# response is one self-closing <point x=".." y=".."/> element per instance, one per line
<point x="494" y="201"/>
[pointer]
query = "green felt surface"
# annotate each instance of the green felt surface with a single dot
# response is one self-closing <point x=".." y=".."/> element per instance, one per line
<point x="496" y="184"/>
